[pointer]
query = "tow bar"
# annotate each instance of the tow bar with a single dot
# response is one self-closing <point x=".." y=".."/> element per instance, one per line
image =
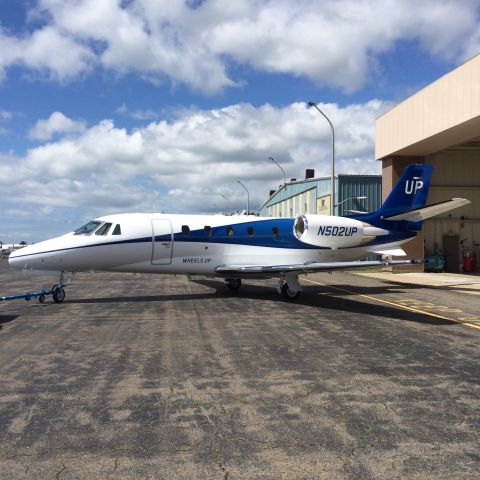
<point x="57" y="292"/>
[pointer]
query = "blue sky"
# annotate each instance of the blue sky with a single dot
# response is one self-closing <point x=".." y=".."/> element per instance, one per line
<point x="162" y="105"/>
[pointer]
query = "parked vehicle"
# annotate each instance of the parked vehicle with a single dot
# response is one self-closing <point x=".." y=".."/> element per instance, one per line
<point x="5" y="252"/>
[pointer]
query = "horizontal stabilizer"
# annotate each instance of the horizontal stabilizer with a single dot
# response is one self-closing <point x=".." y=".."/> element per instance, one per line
<point x="419" y="214"/>
<point x="276" y="270"/>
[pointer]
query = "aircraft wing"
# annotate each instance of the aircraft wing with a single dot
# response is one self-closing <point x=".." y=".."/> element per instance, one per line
<point x="306" y="267"/>
<point x="419" y="214"/>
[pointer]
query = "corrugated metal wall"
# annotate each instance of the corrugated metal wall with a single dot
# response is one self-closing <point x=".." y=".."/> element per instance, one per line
<point x="301" y="197"/>
<point x="351" y="186"/>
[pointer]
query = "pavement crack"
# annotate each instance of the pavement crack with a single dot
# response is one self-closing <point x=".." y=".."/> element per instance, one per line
<point x="215" y="445"/>
<point x="217" y="452"/>
<point x="57" y="475"/>
<point x="169" y="399"/>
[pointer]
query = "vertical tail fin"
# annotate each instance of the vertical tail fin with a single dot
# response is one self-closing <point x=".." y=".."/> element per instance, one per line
<point x="410" y="192"/>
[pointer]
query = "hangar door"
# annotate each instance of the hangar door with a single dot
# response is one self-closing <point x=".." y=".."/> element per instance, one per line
<point x="456" y="173"/>
<point x="162" y="241"/>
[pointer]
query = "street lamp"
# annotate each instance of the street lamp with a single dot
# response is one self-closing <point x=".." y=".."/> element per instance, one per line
<point x="283" y="171"/>
<point x="332" y="187"/>
<point x="248" y="196"/>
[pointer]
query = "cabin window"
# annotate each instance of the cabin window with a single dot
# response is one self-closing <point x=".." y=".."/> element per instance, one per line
<point x="88" y="228"/>
<point x="230" y="231"/>
<point x="250" y="231"/>
<point x="185" y="229"/>
<point x="207" y="229"/>
<point x="103" y="230"/>
<point x="117" y="230"/>
<point x="275" y="232"/>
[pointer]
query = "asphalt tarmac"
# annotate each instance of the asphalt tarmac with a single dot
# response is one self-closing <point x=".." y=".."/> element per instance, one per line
<point x="138" y="376"/>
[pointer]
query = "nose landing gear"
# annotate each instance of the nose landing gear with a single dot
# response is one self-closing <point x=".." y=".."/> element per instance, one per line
<point x="58" y="294"/>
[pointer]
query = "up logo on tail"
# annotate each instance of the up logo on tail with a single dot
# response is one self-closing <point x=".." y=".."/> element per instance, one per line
<point x="412" y="186"/>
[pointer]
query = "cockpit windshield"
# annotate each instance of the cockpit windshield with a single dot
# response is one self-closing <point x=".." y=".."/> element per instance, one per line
<point x="88" y="228"/>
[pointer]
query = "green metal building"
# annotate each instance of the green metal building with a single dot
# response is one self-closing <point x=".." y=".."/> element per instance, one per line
<point x="312" y="195"/>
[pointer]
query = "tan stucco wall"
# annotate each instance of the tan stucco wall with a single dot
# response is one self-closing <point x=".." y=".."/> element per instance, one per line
<point x="445" y="113"/>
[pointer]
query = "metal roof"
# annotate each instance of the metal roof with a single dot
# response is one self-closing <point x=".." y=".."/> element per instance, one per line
<point x="346" y="186"/>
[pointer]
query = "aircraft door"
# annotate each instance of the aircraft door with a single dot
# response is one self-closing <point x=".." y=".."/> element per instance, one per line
<point x="162" y="241"/>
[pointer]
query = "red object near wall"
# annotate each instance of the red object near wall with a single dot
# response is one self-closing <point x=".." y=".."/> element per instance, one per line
<point x="469" y="263"/>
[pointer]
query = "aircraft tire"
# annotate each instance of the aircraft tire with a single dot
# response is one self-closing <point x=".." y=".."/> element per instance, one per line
<point x="234" y="283"/>
<point x="58" y="295"/>
<point x="289" y="294"/>
<point x="41" y="298"/>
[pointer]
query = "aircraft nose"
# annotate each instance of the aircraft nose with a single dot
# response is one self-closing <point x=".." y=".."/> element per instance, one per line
<point x="19" y="258"/>
<point x="14" y="259"/>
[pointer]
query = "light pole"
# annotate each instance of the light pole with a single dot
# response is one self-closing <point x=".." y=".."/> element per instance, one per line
<point x="248" y="196"/>
<point x="332" y="187"/>
<point x="283" y="171"/>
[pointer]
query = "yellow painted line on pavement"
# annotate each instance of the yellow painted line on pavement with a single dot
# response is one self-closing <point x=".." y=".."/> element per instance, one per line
<point x="471" y="325"/>
<point x="380" y="300"/>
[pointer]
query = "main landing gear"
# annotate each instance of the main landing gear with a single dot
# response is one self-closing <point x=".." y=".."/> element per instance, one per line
<point x="233" y="283"/>
<point x="289" y="286"/>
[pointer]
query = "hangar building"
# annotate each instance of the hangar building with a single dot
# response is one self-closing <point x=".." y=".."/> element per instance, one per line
<point x="312" y="195"/>
<point x="439" y="125"/>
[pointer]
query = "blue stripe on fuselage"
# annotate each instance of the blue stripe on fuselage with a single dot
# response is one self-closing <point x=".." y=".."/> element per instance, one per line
<point x="262" y="235"/>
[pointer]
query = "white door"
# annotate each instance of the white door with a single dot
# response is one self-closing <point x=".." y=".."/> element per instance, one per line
<point x="162" y="241"/>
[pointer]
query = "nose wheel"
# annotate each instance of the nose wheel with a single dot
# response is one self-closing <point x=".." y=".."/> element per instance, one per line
<point x="58" y="294"/>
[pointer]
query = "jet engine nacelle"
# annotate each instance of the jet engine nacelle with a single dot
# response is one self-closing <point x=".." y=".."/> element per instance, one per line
<point x="329" y="232"/>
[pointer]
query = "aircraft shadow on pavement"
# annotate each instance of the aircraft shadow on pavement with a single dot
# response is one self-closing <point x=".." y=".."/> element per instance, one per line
<point x="312" y="296"/>
<point x="330" y="299"/>
<point x="7" y="319"/>
<point x="143" y="298"/>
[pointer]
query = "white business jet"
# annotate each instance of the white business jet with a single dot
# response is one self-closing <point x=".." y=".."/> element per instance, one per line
<point x="237" y="247"/>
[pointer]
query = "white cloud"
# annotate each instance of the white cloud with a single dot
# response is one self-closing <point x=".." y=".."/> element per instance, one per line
<point x="57" y="123"/>
<point x="137" y="114"/>
<point x="5" y="115"/>
<point x="47" y="51"/>
<point x="188" y="164"/>
<point x="330" y="42"/>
